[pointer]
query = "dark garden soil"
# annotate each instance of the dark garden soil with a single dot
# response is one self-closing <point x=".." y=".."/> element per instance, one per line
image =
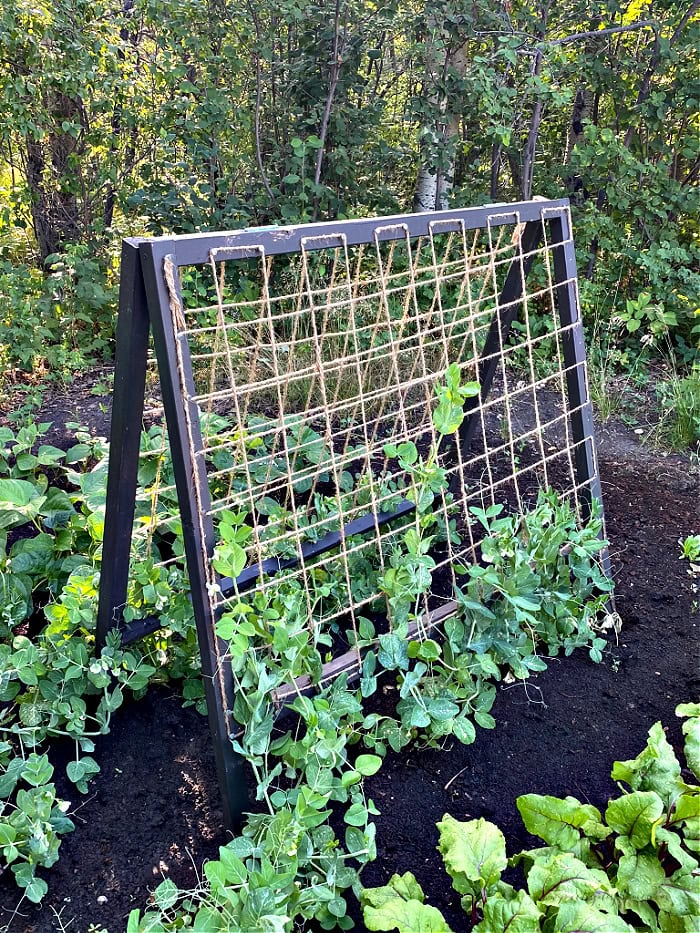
<point x="154" y="811"/>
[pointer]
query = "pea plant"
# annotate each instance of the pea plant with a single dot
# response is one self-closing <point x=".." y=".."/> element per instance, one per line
<point x="633" y="868"/>
<point x="52" y="683"/>
<point x="537" y="586"/>
<point x="311" y="761"/>
<point x="31" y="825"/>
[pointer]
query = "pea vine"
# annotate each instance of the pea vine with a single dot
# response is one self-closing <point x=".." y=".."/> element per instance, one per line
<point x="536" y="587"/>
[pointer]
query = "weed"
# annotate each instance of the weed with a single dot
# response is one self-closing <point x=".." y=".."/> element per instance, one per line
<point x="679" y="422"/>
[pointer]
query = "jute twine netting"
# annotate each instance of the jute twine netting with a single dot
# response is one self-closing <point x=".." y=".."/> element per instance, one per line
<point x="310" y="369"/>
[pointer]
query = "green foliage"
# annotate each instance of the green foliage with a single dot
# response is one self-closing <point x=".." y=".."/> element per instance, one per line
<point x="679" y="420"/>
<point x="52" y="684"/>
<point x="179" y="116"/>
<point x="633" y="869"/>
<point x="31" y="823"/>
<point x="52" y="325"/>
<point x="288" y="864"/>
<point x="401" y="905"/>
<point x="690" y="547"/>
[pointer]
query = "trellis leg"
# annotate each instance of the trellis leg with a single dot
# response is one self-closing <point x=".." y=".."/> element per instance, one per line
<point x="574" y="351"/>
<point x="182" y="417"/>
<point x="509" y="299"/>
<point x="127" y="419"/>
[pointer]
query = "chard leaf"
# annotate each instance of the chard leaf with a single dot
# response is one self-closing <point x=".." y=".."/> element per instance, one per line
<point x="474" y="853"/>
<point x="399" y="906"/>
<point x="633" y="816"/>
<point x="517" y="915"/>
<point x="677" y="847"/>
<point x="643" y="909"/>
<point x="655" y="769"/>
<point x="691" y="836"/>
<point x="691" y="731"/>
<point x="560" y="822"/>
<point x="668" y="923"/>
<point x="640" y="875"/>
<point x="579" y="917"/>
<point x="564" y="878"/>
<point x="406" y="917"/>
<point x="679" y="895"/>
<point x="686" y="808"/>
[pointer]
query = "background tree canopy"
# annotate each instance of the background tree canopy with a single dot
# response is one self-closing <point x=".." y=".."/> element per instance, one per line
<point x="144" y="116"/>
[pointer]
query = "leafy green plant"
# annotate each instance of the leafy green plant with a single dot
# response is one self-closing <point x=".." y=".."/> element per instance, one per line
<point x="32" y="822"/>
<point x="642" y="312"/>
<point x="288" y="864"/>
<point x="690" y="547"/>
<point x="633" y="868"/>
<point x="679" y="422"/>
<point x="52" y="683"/>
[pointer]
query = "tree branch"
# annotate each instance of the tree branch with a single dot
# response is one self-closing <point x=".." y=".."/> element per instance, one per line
<point x="258" y="103"/>
<point x="332" y="86"/>
<point x="608" y="31"/>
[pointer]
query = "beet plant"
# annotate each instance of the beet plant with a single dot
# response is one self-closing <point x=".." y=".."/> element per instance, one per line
<point x="630" y="869"/>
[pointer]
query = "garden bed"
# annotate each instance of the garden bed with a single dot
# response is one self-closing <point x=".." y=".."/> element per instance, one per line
<point x="154" y="811"/>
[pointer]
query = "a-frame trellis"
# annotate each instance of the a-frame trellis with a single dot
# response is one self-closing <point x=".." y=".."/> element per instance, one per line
<point x="338" y="332"/>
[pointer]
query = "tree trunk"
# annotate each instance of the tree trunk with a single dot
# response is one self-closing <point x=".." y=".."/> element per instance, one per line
<point x="496" y="151"/>
<point x="581" y="110"/>
<point x="51" y="179"/>
<point x="110" y="197"/>
<point x="528" y="171"/>
<point x="436" y="175"/>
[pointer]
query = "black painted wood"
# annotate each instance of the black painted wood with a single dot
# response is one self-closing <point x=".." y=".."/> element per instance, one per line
<point x="144" y="293"/>
<point x="574" y="352"/>
<point x="137" y="628"/>
<point x="182" y="417"/>
<point x="127" y="417"/>
<point x="312" y="549"/>
<point x="192" y="249"/>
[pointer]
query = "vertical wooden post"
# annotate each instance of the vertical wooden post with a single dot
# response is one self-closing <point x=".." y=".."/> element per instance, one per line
<point x="184" y="433"/>
<point x="127" y="417"/>
<point x="574" y="351"/>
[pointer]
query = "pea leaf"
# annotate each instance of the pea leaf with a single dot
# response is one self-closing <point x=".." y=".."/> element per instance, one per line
<point x="368" y="765"/>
